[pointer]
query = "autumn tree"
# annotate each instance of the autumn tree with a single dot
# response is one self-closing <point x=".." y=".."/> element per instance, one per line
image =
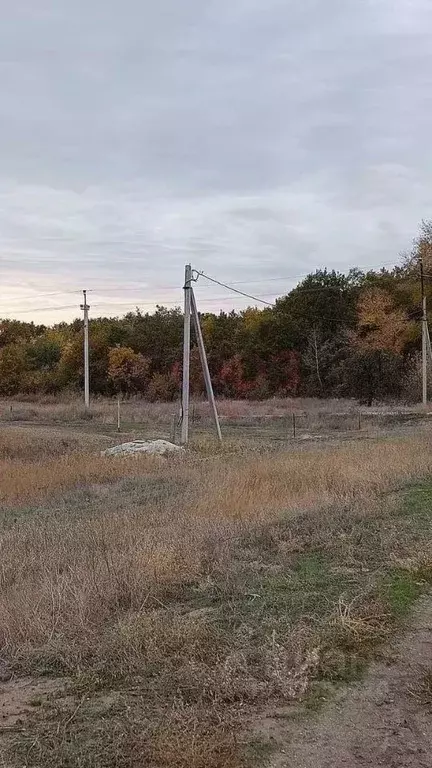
<point x="374" y="369"/>
<point x="381" y="325"/>
<point x="162" y="388"/>
<point x="334" y="334"/>
<point x="421" y="249"/>
<point x="231" y="381"/>
<point x="128" y="370"/>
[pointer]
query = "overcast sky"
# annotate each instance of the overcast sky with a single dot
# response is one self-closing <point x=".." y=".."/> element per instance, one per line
<point x="257" y="139"/>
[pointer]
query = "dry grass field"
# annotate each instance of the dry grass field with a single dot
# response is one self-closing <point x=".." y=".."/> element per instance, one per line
<point x="273" y="419"/>
<point x="104" y="410"/>
<point x="155" y="608"/>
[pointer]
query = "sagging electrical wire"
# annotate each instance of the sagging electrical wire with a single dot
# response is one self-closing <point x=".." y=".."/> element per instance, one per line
<point x="230" y="288"/>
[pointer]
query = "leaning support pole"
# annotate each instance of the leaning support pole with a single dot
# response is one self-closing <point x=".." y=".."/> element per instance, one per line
<point x="429" y="345"/>
<point x="424" y="335"/>
<point x="186" y="355"/>
<point x="424" y="351"/>
<point x="204" y="365"/>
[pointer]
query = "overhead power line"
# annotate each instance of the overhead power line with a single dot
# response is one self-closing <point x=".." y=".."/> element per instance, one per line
<point x="143" y="286"/>
<point x="235" y="290"/>
<point x="260" y="298"/>
<point x="269" y="303"/>
<point x="160" y="302"/>
<point x="116" y="304"/>
<point x="42" y="309"/>
<point x="41" y="295"/>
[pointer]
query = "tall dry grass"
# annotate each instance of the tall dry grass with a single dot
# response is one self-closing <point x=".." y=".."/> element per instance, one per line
<point x="25" y="483"/>
<point x="62" y="409"/>
<point x="37" y="443"/>
<point x="67" y="580"/>
<point x="39" y="463"/>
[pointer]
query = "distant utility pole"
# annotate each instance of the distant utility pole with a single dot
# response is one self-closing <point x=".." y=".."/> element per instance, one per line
<point x="186" y="355"/>
<point x="85" y="307"/>
<point x="424" y="334"/>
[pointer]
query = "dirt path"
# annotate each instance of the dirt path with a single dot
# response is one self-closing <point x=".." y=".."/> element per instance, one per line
<point x="384" y="721"/>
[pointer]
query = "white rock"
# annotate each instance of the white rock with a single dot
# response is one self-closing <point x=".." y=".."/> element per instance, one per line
<point x="159" y="447"/>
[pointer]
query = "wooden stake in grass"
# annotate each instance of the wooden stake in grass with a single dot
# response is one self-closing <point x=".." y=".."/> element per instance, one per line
<point x="173" y="427"/>
<point x="118" y="414"/>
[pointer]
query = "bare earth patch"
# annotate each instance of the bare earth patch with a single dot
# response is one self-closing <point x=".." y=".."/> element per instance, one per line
<point x="19" y="698"/>
<point x="382" y="722"/>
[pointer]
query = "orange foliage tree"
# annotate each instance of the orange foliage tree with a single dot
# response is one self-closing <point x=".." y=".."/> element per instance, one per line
<point x="128" y="370"/>
<point x="381" y="325"/>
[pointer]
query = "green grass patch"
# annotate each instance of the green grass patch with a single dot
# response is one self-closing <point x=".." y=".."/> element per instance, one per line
<point x="400" y="591"/>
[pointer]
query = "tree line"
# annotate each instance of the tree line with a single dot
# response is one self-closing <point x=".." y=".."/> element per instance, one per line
<point x="334" y="335"/>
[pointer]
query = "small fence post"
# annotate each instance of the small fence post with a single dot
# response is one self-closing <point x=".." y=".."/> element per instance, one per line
<point x="173" y="428"/>
<point x="294" y="424"/>
<point x="359" y="421"/>
<point x="118" y="414"/>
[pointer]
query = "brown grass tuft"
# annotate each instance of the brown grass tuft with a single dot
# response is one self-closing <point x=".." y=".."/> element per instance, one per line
<point x="24" y="482"/>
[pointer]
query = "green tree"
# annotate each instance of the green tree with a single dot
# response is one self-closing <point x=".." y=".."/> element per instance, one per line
<point x="220" y="338"/>
<point x="322" y="361"/>
<point x="325" y="303"/>
<point x="43" y="353"/>
<point x="13" y="367"/>
<point x="159" y="337"/>
<point x="373" y="374"/>
<point x="14" y="331"/>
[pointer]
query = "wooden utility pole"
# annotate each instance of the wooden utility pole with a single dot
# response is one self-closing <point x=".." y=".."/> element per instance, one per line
<point x="85" y="307"/>
<point x="204" y="365"/>
<point x="186" y="355"/>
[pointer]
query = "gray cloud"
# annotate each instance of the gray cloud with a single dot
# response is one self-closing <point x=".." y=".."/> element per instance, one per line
<point x="256" y="139"/>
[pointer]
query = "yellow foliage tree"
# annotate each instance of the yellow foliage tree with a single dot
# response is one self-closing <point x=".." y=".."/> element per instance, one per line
<point x="381" y="325"/>
<point x="128" y="370"/>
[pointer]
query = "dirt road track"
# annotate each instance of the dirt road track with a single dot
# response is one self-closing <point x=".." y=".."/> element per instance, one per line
<point x="384" y="721"/>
